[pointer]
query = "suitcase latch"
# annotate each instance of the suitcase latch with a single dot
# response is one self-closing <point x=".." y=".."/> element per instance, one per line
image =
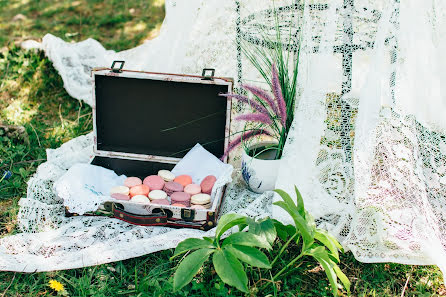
<point x="187" y="214"/>
<point x="207" y="76"/>
<point x="117" y="69"/>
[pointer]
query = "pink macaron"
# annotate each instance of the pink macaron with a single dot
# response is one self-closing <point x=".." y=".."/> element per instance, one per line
<point x="192" y="189"/>
<point x="180" y="197"/>
<point x="197" y="206"/>
<point x="160" y="202"/>
<point x="119" y="196"/>
<point x="139" y="190"/>
<point x="178" y="205"/>
<point x="171" y="187"/>
<point x="154" y="182"/>
<point x="184" y="179"/>
<point x="132" y="182"/>
<point x="207" y="184"/>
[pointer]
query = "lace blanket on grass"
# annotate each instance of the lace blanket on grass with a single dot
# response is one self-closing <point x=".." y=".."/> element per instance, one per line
<point x="51" y="241"/>
<point x="367" y="148"/>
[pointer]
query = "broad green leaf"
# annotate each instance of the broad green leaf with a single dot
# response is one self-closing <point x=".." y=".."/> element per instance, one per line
<point x="264" y="228"/>
<point x="247" y="239"/>
<point x="291" y="230"/>
<point x="284" y="231"/>
<point x="241" y="227"/>
<point x="321" y="255"/>
<point x="191" y="244"/>
<point x="315" y="250"/>
<point x="330" y="274"/>
<point x="310" y="220"/>
<point x="321" y="235"/>
<point x="286" y="198"/>
<point x="228" y="221"/>
<point x="230" y="270"/>
<point x="333" y="239"/>
<point x="300" y="202"/>
<point x="249" y="255"/>
<point x="300" y="222"/>
<point x="281" y="230"/>
<point x="343" y="278"/>
<point x="189" y="267"/>
<point x="209" y="239"/>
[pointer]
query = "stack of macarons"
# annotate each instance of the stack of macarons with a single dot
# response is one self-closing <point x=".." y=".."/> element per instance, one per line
<point x="166" y="189"/>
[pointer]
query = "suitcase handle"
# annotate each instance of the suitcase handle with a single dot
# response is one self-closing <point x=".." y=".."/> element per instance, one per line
<point x="155" y="219"/>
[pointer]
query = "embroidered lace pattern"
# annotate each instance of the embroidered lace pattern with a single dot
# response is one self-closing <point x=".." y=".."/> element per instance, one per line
<point x="367" y="148"/>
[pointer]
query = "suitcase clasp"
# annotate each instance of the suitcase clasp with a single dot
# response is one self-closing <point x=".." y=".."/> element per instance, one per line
<point x="208" y="77"/>
<point x="117" y="69"/>
<point x="187" y="214"/>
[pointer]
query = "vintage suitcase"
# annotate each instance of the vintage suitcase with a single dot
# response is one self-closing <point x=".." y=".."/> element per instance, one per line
<point x="145" y="122"/>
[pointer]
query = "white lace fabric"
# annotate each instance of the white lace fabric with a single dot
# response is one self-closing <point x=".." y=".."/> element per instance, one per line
<point x="367" y="148"/>
<point x="51" y="241"/>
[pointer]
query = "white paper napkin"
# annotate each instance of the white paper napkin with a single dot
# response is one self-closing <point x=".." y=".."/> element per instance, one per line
<point x="199" y="163"/>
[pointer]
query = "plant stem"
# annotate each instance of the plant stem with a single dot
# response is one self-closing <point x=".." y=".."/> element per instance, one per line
<point x="281" y="271"/>
<point x="288" y="265"/>
<point x="283" y="248"/>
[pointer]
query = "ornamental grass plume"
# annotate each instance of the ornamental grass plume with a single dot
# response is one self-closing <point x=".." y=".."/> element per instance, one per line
<point x="278" y="94"/>
<point x="263" y="94"/>
<point x="255" y="117"/>
<point x="245" y="136"/>
<point x="259" y="108"/>
<point x="268" y="112"/>
<point x="276" y="59"/>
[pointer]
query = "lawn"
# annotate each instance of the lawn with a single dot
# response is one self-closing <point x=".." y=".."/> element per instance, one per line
<point x="32" y="95"/>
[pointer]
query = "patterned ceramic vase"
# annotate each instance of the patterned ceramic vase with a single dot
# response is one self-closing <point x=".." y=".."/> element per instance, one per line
<point x="260" y="174"/>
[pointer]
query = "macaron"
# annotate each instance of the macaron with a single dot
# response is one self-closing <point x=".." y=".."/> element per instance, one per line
<point x="130" y="182"/>
<point x="166" y="175"/>
<point x="161" y="202"/>
<point x="119" y="196"/>
<point x="120" y="190"/>
<point x="171" y="187"/>
<point x="180" y="197"/>
<point x="197" y="206"/>
<point x="140" y="199"/>
<point x="154" y="182"/>
<point x="201" y="199"/>
<point x="157" y="194"/>
<point x="178" y="205"/>
<point x="184" y="179"/>
<point x="192" y="189"/>
<point x="207" y="184"/>
<point x="139" y="190"/>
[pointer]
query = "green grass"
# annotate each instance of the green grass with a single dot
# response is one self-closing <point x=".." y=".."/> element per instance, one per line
<point x="117" y="24"/>
<point x="32" y="95"/>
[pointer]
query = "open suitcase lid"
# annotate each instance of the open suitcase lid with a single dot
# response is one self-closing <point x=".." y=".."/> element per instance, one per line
<point x="158" y="117"/>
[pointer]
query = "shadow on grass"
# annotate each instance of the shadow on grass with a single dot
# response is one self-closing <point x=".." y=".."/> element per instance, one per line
<point x="118" y="25"/>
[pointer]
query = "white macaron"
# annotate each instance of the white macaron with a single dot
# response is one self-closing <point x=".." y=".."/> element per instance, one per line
<point x="201" y="199"/>
<point x="140" y="199"/>
<point x="166" y="175"/>
<point x="157" y="194"/>
<point x="120" y="190"/>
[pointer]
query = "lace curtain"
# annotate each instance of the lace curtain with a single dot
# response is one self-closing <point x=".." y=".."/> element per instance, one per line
<point x="369" y="137"/>
<point x="367" y="147"/>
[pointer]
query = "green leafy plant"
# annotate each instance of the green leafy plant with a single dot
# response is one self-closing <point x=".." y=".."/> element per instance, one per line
<point x="315" y="242"/>
<point x="228" y="255"/>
